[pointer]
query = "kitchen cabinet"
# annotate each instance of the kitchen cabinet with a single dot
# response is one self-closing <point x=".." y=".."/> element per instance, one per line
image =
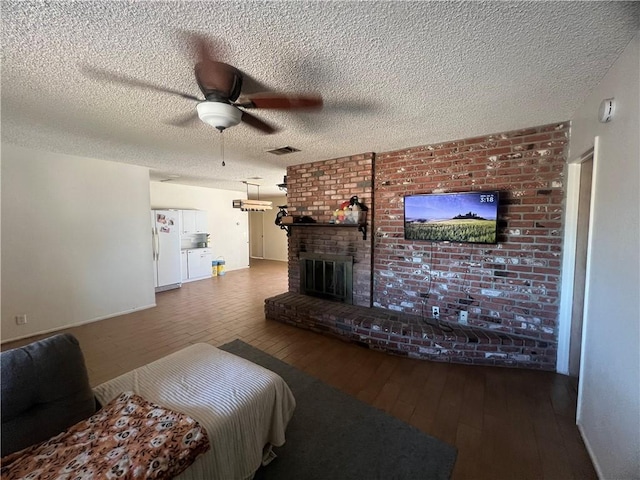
<point x="187" y="222"/>
<point x="184" y="269"/>
<point x="193" y="221"/>
<point x="202" y="223"/>
<point x="199" y="263"/>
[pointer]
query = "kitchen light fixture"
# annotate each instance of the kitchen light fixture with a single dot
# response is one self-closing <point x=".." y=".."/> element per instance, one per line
<point x="252" y="205"/>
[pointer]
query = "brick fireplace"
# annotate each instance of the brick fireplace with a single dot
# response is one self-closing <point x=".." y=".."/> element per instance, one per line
<point x="317" y="190"/>
<point x="327" y="276"/>
<point x="510" y="290"/>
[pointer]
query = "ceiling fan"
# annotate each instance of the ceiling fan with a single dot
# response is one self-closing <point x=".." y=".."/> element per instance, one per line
<point x="222" y="86"/>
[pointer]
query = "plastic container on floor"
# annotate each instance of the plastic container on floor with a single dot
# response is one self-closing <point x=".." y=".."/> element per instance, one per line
<point x="214" y="268"/>
<point x="220" y="267"/>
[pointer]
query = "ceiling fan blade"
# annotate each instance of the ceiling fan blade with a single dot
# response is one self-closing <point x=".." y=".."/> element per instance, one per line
<point x="281" y="101"/>
<point x="217" y="80"/>
<point x="183" y="120"/>
<point x="105" y="75"/>
<point x="255" y="122"/>
<point x="251" y="86"/>
<point x="203" y="48"/>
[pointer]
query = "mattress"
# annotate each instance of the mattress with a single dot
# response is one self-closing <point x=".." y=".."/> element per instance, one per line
<point x="243" y="406"/>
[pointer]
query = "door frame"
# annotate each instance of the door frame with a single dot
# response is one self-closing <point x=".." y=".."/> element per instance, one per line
<point x="253" y="219"/>
<point x="569" y="256"/>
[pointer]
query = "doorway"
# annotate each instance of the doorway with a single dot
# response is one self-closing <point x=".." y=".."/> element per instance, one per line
<point x="256" y="234"/>
<point x="574" y="291"/>
<point x="581" y="256"/>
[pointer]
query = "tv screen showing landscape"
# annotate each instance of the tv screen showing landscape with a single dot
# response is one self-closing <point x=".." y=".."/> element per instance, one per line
<point x="467" y="217"/>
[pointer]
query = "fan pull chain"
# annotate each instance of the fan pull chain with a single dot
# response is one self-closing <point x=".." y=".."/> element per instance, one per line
<point x="222" y="147"/>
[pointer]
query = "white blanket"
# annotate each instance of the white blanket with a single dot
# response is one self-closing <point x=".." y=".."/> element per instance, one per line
<point x="243" y="406"/>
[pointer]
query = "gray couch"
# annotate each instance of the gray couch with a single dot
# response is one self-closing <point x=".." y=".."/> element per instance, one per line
<point x="45" y="390"/>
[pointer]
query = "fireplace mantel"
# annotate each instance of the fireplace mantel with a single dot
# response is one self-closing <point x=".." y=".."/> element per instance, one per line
<point x="362" y="227"/>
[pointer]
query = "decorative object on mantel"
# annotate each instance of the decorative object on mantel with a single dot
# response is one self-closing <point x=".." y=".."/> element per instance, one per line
<point x="252" y="205"/>
<point x="353" y="214"/>
<point x="282" y="215"/>
<point x="351" y="211"/>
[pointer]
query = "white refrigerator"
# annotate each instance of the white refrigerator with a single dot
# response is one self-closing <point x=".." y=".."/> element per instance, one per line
<point x="166" y="249"/>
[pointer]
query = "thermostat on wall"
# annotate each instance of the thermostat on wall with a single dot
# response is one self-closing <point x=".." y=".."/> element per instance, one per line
<point x="606" y="110"/>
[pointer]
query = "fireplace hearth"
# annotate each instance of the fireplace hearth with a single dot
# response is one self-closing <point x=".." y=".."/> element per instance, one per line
<point x="327" y="276"/>
<point x="409" y="335"/>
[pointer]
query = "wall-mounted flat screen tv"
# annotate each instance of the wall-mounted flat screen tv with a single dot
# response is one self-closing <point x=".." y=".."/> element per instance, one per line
<point x="465" y="217"/>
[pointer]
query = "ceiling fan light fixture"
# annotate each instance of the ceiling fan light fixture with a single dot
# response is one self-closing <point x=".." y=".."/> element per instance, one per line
<point x="219" y="115"/>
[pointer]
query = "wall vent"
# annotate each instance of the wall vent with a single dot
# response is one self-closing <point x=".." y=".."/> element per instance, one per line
<point x="283" y="150"/>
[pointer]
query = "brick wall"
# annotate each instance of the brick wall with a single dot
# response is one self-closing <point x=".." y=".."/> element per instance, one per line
<point x="316" y="190"/>
<point x="510" y="287"/>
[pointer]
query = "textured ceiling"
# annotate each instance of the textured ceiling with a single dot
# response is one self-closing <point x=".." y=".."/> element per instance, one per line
<point x="392" y="75"/>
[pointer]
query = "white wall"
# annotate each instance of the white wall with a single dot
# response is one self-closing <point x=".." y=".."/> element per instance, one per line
<point x="275" y="242"/>
<point x="609" y="397"/>
<point x="228" y="226"/>
<point x="75" y="240"/>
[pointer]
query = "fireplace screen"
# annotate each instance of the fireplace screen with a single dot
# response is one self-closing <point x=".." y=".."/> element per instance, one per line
<point x="327" y="276"/>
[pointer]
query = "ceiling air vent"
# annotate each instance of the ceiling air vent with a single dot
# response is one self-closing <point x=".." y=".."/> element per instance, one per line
<point x="283" y="150"/>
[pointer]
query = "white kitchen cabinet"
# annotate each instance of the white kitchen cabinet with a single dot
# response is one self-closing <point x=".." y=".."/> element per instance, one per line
<point x="202" y="224"/>
<point x="184" y="269"/>
<point x="193" y="221"/>
<point x="199" y="263"/>
<point x="187" y="222"/>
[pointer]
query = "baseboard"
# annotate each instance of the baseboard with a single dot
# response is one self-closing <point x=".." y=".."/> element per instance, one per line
<point x="594" y="461"/>
<point x="77" y="324"/>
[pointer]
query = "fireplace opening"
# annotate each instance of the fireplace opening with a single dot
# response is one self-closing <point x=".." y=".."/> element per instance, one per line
<point x="327" y="276"/>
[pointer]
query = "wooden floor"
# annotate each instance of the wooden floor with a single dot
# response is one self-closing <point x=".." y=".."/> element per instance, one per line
<point x="506" y="423"/>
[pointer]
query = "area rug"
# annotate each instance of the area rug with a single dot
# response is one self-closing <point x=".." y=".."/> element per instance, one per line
<point x="333" y="435"/>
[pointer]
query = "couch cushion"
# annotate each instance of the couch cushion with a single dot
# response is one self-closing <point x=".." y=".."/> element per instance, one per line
<point x="45" y="389"/>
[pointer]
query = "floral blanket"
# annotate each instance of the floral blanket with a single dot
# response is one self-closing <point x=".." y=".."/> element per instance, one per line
<point x="130" y="438"/>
